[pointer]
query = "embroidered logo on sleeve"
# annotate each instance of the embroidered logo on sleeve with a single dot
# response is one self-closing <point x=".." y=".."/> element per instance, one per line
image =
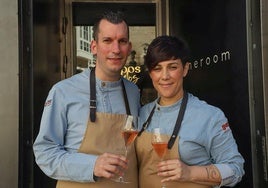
<point x="225" y="127"/>
<point x="48" y="102"/>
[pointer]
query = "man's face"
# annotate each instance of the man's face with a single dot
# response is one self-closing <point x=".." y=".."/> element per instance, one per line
<point x="111" y="48"/>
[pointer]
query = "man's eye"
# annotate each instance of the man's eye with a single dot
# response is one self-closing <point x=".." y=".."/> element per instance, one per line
<point x="106" y="40"/>
<point x="123" y="41"/>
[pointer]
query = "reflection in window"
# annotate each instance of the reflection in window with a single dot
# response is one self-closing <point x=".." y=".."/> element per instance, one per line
<point x="84" y="58"/>
<point x="84" y="38"/>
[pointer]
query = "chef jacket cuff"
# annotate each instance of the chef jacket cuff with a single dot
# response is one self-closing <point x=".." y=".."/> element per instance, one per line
<point x="227" y="174"/>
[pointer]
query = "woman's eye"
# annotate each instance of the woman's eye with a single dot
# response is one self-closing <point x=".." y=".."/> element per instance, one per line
<point x="156" y="68"/>
<point x="173" y="67"/>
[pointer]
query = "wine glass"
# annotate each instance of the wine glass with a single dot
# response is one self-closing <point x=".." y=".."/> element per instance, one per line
<point x="160" y="143"/>
<point x="129" y="134"/>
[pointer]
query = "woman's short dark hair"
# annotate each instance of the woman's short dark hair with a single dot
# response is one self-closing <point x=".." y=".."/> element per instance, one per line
<point x="165" y="48"/>
<point x="114" y="17"/>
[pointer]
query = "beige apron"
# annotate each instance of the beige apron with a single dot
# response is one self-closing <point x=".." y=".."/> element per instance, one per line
<point x="148" y="160"/>
<point x="102" y="136"/>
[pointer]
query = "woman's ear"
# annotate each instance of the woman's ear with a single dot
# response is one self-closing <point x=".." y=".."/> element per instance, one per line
<point x="186" y="69"/>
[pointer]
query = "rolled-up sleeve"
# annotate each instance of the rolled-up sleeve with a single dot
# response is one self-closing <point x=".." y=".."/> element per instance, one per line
<point x="224" y="152"/>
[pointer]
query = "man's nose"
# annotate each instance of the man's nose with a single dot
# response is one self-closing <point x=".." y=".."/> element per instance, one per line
<point x="116" y="47"/>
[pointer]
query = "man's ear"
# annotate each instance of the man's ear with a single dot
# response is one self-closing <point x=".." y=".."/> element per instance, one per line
<point x="130" y="48"/>
<point x="93" y="47"/>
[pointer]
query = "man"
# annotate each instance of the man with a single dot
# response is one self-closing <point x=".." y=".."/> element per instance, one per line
<point x="82" y="116"/>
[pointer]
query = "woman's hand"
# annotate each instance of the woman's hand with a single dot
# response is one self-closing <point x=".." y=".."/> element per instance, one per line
<point x="176" y="170"/>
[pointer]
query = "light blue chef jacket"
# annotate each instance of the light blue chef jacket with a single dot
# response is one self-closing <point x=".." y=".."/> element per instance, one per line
<point x="64" y="121"/>
<point x="204" y="137"/>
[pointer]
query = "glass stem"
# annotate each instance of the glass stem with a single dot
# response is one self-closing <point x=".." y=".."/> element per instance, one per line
<point x="126" y="152"/>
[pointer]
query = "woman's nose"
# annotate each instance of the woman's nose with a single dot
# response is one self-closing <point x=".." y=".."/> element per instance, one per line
<point x="165" y="74"/>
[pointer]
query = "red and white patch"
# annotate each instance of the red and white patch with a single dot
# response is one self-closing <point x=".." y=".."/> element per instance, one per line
<point x="225" y="127"/>
<point x="48" y="102"/>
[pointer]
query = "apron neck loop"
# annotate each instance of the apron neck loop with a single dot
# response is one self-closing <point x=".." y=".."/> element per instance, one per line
<point x="178" y="121"/>
<point x="92" y="105"/>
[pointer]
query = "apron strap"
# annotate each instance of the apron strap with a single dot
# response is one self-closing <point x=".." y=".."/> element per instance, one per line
<point x="179" y="120"/>
<point x="125" y="98"/>
<point x="93" y="105"/>
<point x="147" y="122"/>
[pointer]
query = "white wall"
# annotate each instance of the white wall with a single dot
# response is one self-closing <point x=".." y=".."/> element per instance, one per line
<point x="9" y="93"/>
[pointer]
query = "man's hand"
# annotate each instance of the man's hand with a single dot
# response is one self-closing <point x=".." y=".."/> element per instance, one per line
<point x="108" y="165"/>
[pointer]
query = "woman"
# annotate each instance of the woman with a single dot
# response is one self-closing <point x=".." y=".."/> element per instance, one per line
<point x="202" y="151"/>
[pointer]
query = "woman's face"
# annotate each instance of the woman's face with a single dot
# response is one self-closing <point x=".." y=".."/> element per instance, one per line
<point x="167" y="77"/>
